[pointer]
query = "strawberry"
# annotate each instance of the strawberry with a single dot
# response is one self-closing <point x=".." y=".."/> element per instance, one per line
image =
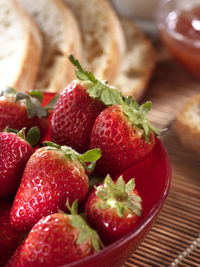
<point x="52" y="175"/>
<point x="59" y="239"/>
<point x="9" y="236"/>
<point x="13" y="260"/>
<point x="15" y="150"/>
<point x="19" y="110"/>
<point x="113" y="209"/>
<point x="74" y="115"/>
<point x="124" y="135"/>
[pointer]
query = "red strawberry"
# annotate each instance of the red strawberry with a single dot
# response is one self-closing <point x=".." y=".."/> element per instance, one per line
<point x="18" y="110"/>
<point x="73" y="117"/>
<point x="13" y="261"/>
<point x="113" y="209"/>
<point x="58" y="239"/>
<point x="124" y="135"/>
<point x="52" y="175"/>
<point x="15" y="150"/>
<point x="9" y="236"/>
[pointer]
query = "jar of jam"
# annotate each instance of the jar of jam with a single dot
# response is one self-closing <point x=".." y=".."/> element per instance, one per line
<point x="179" y="25"/>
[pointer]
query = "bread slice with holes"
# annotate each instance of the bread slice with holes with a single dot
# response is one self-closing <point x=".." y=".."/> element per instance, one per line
<point x="138" y="64"/>
<point x="61" y="37"/>
<point x="21" y="47"/>
<point x="187" y="124"/>
<point x="102" y="35"/>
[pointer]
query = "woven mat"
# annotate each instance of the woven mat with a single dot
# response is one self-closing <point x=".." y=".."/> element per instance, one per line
<point x="174" y="239"/>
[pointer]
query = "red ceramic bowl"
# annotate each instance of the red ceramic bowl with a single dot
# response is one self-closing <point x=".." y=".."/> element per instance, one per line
<point x="152" y="177"/>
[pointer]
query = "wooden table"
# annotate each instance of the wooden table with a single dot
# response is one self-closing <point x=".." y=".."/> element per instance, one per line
<point x="174" y="239"/>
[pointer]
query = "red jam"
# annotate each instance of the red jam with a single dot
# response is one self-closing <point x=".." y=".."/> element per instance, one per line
<point x="181" y="35"/>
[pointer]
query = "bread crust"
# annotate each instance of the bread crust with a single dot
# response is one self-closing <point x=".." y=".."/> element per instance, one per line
<point x="187" y="128"/>
<point x="139" y="61"/>
<point x="55" y="69"/>
<point x="27" y="68"/>
<point x="105" y="61"/>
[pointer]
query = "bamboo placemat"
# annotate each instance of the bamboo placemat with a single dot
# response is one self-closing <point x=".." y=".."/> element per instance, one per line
<point x="174" y="239"/>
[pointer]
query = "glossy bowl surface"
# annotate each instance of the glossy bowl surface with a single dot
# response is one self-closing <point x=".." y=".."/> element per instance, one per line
<point x="152" y="177"/>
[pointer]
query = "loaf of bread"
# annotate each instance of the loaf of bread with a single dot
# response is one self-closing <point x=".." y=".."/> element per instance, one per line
<point x="21" y="47"/>
<point x="138" y="64"/>
<point x="187" y="124"/>
<point x="61" y="37"/>
<point x="102" y="35"/>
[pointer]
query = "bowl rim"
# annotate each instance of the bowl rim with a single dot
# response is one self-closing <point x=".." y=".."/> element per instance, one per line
<point x="141" y="226"/>
<point x="160" y="21"/>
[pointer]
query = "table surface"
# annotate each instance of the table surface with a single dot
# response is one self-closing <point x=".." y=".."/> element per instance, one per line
<point x="174" y="239"/>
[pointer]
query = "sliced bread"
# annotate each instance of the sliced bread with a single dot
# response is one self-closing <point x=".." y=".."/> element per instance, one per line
<point x="187" y="124"/>
<point x="21" y="47"/>
<point x="138" y="64"/>
<point x="61" y="37"/>
<point x="102" y="35"/>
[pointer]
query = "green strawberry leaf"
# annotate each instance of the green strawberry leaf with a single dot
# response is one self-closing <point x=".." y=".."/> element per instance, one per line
<point x="130" y="186"/>
<point x="137" y="115"/>
<point x="88" y="159"/>
<point x="96" y="241"/>
<point x="52" y="103"/>
<point x="76" y="220"/>
<point x="51" y="145"/>
<point x="120" y="183"/>
<point x="110" y="96"/>
<point x="22" y="134"/>
<point x="146" y="107"/>
<point x="74" y="207"/>
<point x="33" y="136"/>
<point x="119" y="196"/>
<point x="91" y="155"/>
<point x="37" y="94"/>
<point x="10" y="130"/>
<point x="83" y="236"/>
<point x="34" y="107"/>
<point x="8" y="91"/>
<point x="21" y="96"/>
<point x="82" y="74"/>
<point x="96" y="88"/>
<point x="120" y="209"/>
<point x="86" y="232"/>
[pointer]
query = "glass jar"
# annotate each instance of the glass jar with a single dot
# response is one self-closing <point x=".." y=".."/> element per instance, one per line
<point x="179" y="26"/>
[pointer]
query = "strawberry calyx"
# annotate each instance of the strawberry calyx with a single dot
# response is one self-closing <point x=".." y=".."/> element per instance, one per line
<point x="90" y="156"/>
<point x="32" y="137"/>
<point x="33" y="100"/>
<point x="137" y="115"/>
<point x="120" y="196"/>
<point x="97" y="89"/>
<point x="86" y="232"/>
<point x="8" y="91"/>
<point x="33" y="104"/>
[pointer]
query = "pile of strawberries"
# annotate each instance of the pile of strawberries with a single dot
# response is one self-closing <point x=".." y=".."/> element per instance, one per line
<point x="96" y="134"/>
